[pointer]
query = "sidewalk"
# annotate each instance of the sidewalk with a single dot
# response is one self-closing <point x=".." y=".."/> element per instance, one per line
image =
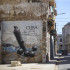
<point x="31" y="66"/>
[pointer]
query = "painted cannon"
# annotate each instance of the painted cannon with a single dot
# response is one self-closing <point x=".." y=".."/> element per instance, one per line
<point x="20" y="41"/>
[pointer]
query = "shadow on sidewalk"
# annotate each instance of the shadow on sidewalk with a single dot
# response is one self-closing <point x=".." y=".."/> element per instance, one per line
<point x="52" y="61"/>
<point x="64" y="60"/>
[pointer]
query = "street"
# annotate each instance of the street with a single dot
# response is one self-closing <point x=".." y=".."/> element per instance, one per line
<point x="30" y="66"/>
<point x="51" y="65"/>
<point x="64" y="63"/>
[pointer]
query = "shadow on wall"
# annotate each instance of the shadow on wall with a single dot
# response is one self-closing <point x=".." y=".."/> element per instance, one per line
<point x="0" y="25"/>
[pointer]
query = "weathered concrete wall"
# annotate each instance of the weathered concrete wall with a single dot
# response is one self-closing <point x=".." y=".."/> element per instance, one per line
<point x="0" y="46"/>
<point x="24" y="11"/>
<point x="46" y="41"/>
<point x="17" y="10"/>
<point x="31" y="32"/>
<point x="2" y="2"/>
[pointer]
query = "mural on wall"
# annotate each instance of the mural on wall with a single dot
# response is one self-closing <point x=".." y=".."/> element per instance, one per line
<point x="21" y="40"/>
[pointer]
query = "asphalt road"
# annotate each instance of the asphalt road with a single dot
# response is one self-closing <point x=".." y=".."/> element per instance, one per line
<point x="64" y="63"/>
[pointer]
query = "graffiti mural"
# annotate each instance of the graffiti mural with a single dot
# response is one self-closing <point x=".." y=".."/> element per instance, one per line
<point x="12" y="43"/>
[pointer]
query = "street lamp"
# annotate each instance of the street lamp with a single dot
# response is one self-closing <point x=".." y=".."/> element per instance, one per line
<point x="61" y="13"/>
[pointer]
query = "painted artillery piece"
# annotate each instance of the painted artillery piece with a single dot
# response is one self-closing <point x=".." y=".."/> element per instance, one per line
<point x="20" y="41"/>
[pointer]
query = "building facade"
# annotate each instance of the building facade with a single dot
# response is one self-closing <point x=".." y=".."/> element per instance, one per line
<point x="59" y="42"/>
<point x="66" y="36"/>
<point x="35" y="19"/>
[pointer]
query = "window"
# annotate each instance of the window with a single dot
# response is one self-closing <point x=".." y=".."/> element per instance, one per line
<point x="60" y="39"/>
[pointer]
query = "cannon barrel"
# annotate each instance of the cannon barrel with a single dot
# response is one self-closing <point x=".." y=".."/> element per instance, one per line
<point x="20" y="41"/>
<point x="18" y="36"/>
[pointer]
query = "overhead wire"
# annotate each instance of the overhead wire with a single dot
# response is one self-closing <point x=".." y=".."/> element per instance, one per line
<point x="62" y="18"/>
<point x="62" y="21"/>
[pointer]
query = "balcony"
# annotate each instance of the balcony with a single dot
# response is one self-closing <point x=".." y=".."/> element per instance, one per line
<point x="52" y="3"/>
<point x="51" y="22"/>
<point x="53" y="27"/>
<point x="53" y="32"/>
<point x="55" y="12"/>
<point x="51" y="17"/>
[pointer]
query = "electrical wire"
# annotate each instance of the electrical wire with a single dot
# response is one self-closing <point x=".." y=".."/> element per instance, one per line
<point x="60" y="25"/>
<point x="62" y="21"/>
<point x="62" y="18"/>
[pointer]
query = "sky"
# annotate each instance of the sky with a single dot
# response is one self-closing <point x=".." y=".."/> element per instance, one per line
<point x="62" y="6"/>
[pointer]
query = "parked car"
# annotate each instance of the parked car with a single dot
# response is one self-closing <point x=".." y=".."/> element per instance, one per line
<point x="64" y="52"/>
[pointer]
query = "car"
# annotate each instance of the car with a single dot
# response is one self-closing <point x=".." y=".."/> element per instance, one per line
<point x="64" y="52"/>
